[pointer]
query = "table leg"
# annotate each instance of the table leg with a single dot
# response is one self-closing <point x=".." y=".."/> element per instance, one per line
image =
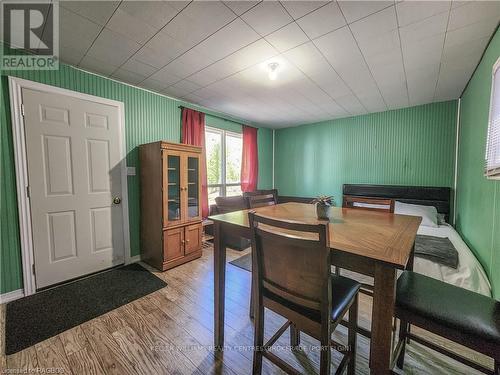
<point x="411" y="259"/>
<point x="219" y="284"/>
<point x="382" y="315"/>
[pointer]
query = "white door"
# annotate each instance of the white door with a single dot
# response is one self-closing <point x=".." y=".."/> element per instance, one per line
<point x="74" y="172"/>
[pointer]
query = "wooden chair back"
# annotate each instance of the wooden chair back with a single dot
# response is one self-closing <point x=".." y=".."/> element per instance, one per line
<point x="261" y="198"/>
<point x="288" y="266"/>
<point x="368" y="203"/>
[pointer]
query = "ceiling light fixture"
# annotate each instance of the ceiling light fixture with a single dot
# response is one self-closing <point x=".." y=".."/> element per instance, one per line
<point x="273" y="70"/>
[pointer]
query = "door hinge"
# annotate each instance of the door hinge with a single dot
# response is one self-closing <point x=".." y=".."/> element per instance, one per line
<point x="28" y="194"/>
<point x="22" y="109"/>
<point x="33" y="268"/>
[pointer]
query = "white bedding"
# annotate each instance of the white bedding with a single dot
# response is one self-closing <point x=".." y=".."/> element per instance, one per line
<point x="469" y="274"/>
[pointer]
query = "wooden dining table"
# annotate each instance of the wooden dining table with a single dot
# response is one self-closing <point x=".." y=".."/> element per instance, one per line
<point x="372" y="243"/>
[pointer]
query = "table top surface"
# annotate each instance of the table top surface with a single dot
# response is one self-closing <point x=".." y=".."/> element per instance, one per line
<point x="380" y="236"/>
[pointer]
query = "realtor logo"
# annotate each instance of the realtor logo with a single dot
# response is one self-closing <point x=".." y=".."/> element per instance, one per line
<point x="30" y="35"/>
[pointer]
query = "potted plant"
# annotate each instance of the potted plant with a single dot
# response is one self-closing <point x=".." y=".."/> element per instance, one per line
<point x="323" y="204"/>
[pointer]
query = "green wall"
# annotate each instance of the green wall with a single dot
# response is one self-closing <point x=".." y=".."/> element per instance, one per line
<point x="478" y="199"/>
<point x="410" y="146"/>
<point x="148" y="117"/>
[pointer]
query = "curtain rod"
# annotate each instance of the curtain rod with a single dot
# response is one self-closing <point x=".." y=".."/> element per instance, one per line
<point x="222" y="118"/>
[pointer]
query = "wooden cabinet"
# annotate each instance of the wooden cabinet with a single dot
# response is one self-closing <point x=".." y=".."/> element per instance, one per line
<point x="171" y="226"/>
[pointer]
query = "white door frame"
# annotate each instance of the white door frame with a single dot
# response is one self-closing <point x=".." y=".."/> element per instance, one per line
<point x="23" y="204"/>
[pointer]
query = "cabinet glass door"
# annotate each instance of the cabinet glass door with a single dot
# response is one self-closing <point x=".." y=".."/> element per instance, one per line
<point x="193" y="187"/>
<point x="174" y="187"/>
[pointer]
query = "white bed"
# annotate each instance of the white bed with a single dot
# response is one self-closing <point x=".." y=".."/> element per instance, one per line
<point x="469" y="274"/>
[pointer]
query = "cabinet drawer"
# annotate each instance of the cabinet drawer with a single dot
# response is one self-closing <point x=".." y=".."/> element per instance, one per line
<point x="192" y="237"/>
<point x="173" y="243"/>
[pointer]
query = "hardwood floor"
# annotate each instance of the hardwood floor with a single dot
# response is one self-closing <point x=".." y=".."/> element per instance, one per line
<point x="171" y="332"/>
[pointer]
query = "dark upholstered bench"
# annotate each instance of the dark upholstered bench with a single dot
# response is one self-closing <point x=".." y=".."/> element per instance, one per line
<point x="462" y="316"/>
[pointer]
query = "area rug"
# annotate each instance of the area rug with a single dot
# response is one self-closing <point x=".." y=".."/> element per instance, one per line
<point x="35" y="318"/>
<point x="244" y="262"/>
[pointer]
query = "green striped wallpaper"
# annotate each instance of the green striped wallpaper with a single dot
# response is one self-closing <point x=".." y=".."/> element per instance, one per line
<point x="410" y="146"/>
<point x="148" y="117"/>
<point x="478" y="199"/>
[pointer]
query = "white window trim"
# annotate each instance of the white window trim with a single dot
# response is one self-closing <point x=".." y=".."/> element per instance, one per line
<point x="491" y="174"/>
<point x="222" y="186"/>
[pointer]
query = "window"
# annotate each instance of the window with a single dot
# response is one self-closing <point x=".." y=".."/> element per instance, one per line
<point x="224" y="151"/>
<point x="492" y="169"/>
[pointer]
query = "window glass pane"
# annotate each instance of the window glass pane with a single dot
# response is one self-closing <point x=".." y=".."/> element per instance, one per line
<point x="231" y="191"/>
<point x="193" y="187"/>
<point x="234" y="146"/>
<point x="493" y="142"/>
<point x="213" y="192"/>
<point x="213" y="143"/>
<point x="174" y="195"/>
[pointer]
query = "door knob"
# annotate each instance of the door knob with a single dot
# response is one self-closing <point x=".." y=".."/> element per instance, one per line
<point x="117" y="200"/>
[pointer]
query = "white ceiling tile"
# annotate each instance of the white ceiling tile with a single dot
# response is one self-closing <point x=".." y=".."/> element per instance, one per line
<point x="175" y="92"/>
<point x="97" y="66"/>
<point x="96" y="11"/>
<point x="239" y="7"/>
<point x="189" y="63"/>
<point x="459" y="3"/>
<point x="336" y="91"/>
<point x="71" y="55"/>
<point x="422" y="84"/>
<point x="153" y="13"/>
<point x="341" y="50"/>
<point x="267" y="17"/>
<point x="131" y="27"/>
<point x="255" y="53"/>
<point x="76" y="31"/>
<point x="322" y="21"/>
<point x="428" y="27"/>
<point x="423" y="52"/>
<point x="414" y="11"/>
<point x="229" y="39"/>
<point x="473" y="12"/>
<point x="160" y="50"/>
<point x="152" y="84"/>
<point x="128" y="76"/>
<point x="336" y="75"/>
<point x="351" y="104"/>
<point x="112" y="47"/>
<point x="134" y="65"/>
<point x="387" y="66"/>
<point x="451" y="83"/>
<point x="187" y="85"/>
<point x="355" y="10"/>
<point x="395" y="95"/>
<point x="380" y="44"/>
<point x="375" y="25"/>
<point x="299" y="9"/>
<point x="287" y="37"/>
<point x="471" y="33"/>
<point x="373" y="102"/>
<point x="165" y="77"/>
<point x="197" y="21"/>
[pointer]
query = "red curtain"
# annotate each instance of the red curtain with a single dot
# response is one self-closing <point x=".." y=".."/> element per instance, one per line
<point x="250" y="160"/>
<point x="193" y="133"/>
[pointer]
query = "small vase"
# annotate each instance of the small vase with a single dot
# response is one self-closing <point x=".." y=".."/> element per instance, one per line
<point x="322" y="211"/>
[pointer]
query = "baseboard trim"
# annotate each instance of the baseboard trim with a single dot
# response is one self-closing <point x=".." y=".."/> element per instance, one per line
<point x="134" y="259"/>
<point x="11" y="296"/>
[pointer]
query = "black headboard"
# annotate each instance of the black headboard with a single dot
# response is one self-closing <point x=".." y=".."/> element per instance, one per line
<point x="439" y="197"/>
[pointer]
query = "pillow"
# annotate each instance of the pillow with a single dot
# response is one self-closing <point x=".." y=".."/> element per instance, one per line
<point x="427" y="213"/>
<point x="441" y="219"/>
